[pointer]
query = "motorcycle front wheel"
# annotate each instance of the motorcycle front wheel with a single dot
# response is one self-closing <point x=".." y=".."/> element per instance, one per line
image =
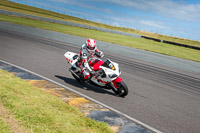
<point x="77" y="78"/>
<point x="122" y="89"/>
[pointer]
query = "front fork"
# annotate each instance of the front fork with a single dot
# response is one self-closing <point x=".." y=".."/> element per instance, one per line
<point x="114" y="82"/>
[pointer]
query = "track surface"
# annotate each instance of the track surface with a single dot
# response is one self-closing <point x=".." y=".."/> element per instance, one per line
<point x="164" y="99"/>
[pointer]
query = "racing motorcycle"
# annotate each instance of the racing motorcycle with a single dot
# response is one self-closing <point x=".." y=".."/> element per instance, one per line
<point x="106" y="74"/>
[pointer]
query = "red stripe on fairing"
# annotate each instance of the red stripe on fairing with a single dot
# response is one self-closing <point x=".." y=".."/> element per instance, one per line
<point x="96" y="65"/>
<point x="69" y="60"/>
<point x="103" y="81"/>
<point x="117" y="80"/>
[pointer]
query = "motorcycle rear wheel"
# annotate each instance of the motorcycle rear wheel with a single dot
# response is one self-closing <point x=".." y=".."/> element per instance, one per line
<point x="122" y="89"/>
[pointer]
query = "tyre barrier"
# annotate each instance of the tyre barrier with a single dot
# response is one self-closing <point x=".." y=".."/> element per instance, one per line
<point x="169" y="42"/>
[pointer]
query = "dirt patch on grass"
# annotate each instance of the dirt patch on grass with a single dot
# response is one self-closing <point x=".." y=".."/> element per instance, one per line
<point x="11" y="121"/>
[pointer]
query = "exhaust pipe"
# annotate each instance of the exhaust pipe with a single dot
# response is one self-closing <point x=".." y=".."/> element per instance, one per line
<point x="74" y="73"/>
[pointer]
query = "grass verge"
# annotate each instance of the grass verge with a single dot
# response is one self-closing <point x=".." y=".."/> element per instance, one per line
<point x="167" y="49"/>
<point x="40" y="112"/>
<point x="4" y="127"/>
<point x="16" y="7"/>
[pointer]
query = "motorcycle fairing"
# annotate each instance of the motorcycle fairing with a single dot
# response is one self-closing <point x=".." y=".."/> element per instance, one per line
<point x="72" y="58"/>
<point x="117" y="80"/>
<point x="95" y="64"/>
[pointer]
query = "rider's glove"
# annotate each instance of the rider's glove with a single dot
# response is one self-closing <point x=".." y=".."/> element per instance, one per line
<point x="100" y="54"/>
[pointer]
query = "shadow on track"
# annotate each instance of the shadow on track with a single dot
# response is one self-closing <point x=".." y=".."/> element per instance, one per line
<point x="84" y="86"/>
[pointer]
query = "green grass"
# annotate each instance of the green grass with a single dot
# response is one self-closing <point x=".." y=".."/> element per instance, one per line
<point x="4" y="127"/>
<point x="40" y="112"/>
<point x="16" y="7"/>
<point x="167" y="49"/>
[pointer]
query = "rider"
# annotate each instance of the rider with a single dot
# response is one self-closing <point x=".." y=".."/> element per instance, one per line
<point x="87" y="52"/>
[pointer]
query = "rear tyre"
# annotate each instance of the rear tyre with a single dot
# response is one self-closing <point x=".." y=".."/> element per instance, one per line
<point x="122" y="89"/>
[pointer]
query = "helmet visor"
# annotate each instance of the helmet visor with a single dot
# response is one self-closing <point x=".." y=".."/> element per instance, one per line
<point x="90" y="48"/>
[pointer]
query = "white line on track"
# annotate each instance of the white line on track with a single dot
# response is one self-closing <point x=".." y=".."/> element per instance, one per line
<point x="83" y="95"/>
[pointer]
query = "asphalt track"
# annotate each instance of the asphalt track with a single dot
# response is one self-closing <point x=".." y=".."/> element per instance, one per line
<point x="164" y="98"/>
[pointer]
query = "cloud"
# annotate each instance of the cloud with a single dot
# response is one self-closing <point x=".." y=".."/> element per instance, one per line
<point x="84" y="5"/>
<point x="167" y="8"/>
<point x="154" y="24"/>
<point x="181" y="11"/>
<point x="138" y="22"/>
<point x="170" y="17"/>
<point x="68" y="10"/>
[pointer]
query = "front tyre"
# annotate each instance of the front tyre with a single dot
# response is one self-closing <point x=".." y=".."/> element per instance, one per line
<point x="122" y="89"/>
<point x="77" y="78"/>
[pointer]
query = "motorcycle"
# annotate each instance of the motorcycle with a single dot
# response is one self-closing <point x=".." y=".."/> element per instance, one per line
<point x="106" y="73"/>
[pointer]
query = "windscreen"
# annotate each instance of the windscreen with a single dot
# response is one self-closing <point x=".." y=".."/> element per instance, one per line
<point x="109" y="65"/>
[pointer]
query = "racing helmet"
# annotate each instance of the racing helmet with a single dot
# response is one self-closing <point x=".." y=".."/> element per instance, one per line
<point x="91" y="45"/>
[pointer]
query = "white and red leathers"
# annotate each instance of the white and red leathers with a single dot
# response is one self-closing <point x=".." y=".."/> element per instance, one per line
<point x="87" y="52"/>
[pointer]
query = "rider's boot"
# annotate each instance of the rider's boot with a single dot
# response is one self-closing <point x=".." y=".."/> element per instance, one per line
<point x="84" y="78"/>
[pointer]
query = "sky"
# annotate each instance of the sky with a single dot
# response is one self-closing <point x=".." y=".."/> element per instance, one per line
<point x="179" y="18"/>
